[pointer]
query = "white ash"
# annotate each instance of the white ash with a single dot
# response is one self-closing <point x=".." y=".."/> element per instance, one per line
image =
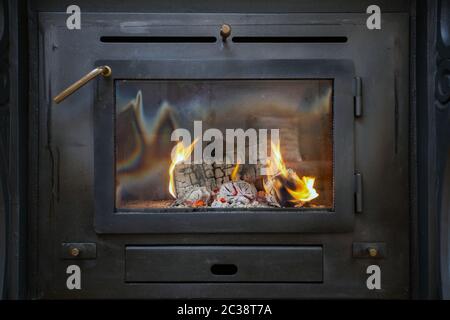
<point x="272" y="201"/>
<point x="237" y="191"/>
<point x="237" y="204"/>
<point x="231" y="194"/>
<point x="193" y="195"/>
<point x="212" y="175"/>
<point x="238" y="194"/>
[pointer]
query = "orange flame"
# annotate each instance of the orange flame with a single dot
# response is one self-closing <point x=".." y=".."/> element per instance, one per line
<point x="303" y="188"/>
<point x="235" y="172"/>
<point x="179" y="155"/>
<point x="276" y="163"/>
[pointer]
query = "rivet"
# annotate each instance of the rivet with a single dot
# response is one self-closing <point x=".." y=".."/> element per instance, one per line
<point x="373" y="252"/>
<point x="74" y="252"/>
<point x="225" y="31"/>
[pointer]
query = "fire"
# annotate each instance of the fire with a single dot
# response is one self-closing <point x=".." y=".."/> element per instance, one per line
<point x="179" y="154"/>
<point x="235" y="172"/>
<point x="300" y="189"/>
<point x="304" y="190"/>
<point x="283" y="182"/>
<point x="276" y="163"/>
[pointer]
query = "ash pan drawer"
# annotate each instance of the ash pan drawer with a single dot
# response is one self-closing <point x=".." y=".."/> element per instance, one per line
<point x="224" y="264"/>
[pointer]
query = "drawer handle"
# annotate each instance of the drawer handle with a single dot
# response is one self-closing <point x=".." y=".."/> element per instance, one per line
<point x="224" y="269"/>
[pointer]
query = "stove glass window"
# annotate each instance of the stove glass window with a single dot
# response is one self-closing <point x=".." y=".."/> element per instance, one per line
<point x="215" y="145"/>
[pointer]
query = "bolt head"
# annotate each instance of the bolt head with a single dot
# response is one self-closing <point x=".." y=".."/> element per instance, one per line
<point x="373" y="252"/>
<point x="225" y="31"/>
<point x="106" y="71"/>
<point x="74" y="252"/>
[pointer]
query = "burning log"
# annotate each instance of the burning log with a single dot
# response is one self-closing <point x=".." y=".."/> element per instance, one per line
<point x="223" y="185"/>
<point x="284" y="186"/>
<point x="288" y="190"/>
<point x="212" y="176"/>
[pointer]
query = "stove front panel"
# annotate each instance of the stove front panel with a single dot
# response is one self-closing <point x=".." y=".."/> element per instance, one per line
<point x="65" y="211"/>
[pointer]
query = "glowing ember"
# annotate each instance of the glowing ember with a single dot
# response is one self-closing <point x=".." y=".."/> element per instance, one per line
<point x="179" y="154"/>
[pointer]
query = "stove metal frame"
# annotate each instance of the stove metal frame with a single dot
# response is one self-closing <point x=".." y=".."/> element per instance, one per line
<point x="340" y="218"/>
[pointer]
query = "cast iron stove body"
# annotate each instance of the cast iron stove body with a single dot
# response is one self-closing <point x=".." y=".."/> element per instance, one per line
<point x="338" y="92"/>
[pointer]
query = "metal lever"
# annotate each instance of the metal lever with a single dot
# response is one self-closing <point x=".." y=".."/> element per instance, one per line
<point x="103" y="70"/>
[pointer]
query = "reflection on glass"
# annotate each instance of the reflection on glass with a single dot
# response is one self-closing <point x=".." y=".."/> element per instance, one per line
<point x="224" y="144"/>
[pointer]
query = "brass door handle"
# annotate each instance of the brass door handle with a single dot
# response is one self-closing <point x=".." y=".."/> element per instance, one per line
<point x="103" y="70"/>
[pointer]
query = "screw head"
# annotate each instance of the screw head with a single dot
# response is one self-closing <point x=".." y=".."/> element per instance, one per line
<point x="74" y="252"/>
<point x="106" y="71"/>
<point x="373" y="252"/>
<point x="225" y="31"/>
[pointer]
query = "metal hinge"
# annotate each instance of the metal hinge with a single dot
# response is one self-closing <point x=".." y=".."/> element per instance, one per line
<point x="358" y="193"/>
<point x="357" y="92"/>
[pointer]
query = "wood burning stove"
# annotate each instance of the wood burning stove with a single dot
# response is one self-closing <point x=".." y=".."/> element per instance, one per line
<point x="224" y="153"/>
<point x="340" y="122"/>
